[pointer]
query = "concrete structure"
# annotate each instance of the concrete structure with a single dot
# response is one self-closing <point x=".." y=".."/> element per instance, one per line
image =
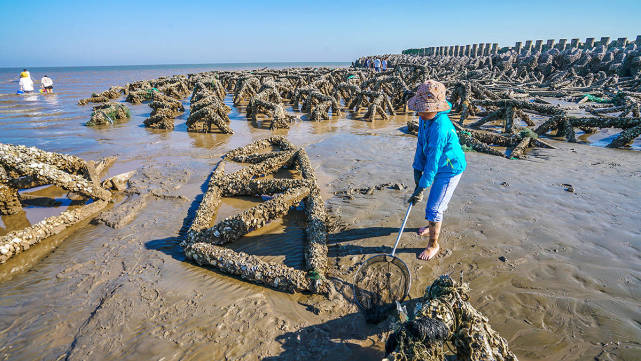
<point x="605" y="41"/>
<point x="517" y="47"/>
<point x="549" y="44"/>
<point x="539" y="46"/>
<point x="589" y="43"/>
<point x="487" y="49"/>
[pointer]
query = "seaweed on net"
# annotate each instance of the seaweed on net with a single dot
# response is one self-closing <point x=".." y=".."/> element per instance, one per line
<point x="445" y="315"/>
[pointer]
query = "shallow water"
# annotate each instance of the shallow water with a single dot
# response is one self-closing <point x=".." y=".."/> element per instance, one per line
<point x="568" y="290"/>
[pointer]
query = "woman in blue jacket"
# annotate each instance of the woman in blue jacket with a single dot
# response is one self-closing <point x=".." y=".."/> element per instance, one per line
<point x="439" y="161"/>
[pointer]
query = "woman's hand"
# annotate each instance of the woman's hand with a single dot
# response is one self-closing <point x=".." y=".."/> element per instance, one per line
<point x="417" y="196"/>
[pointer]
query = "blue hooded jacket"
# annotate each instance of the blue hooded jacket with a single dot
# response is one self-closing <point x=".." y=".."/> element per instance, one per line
<point x="438" y="150"/>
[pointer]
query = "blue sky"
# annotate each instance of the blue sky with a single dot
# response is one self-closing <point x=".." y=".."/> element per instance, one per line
<point x="115" y="32"/>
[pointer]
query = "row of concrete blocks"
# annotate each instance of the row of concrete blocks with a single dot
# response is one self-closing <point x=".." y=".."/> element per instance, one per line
<point x="484" y="49"/>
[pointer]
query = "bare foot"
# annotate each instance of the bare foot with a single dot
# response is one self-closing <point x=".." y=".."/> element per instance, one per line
<point x="430" y="252"/>
<point x="423" y="231"/>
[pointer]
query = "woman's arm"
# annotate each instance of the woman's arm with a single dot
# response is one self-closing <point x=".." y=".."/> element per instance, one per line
<point x="435" y="147"/>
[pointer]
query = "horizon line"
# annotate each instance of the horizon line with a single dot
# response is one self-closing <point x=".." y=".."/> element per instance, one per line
<point x="170" y="64"/>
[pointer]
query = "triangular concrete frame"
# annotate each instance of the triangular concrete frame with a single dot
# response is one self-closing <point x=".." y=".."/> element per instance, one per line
<point x="24" y="167"/>
<point x="203" y="243"/>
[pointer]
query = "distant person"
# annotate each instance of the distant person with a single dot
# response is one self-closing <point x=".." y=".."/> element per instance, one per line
<point x="367" y="63"/>
<point x="47" y="84"/>
<point x="25" y="83"/>
<point x="439" y="161"/>
<point x="384" y="64"/>
<point x="377" y="65"/>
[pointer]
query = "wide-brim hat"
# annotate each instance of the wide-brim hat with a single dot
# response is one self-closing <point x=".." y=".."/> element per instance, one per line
<point x="429" y="97"/>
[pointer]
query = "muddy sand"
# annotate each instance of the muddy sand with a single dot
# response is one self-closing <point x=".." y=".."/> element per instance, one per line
<point x="558" y="273"/>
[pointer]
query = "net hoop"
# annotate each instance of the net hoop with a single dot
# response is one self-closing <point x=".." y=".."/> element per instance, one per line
<point x="380" y="258"/>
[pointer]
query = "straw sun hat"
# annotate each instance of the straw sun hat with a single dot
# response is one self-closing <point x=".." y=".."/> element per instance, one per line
<point x="429" y="97"/>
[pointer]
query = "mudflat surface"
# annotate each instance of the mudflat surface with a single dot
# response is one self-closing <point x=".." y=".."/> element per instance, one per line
<point x="568" y="288"/>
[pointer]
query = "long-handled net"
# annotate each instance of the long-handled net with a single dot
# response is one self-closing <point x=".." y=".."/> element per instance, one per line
<point x="381" y="281"/>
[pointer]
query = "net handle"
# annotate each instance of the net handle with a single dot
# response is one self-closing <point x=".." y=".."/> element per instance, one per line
<point x="400" y="232"/>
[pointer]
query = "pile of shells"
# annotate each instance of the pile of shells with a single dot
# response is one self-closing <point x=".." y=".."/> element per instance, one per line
<point x="507" y="89"/>
<point x="110" y="94"/>
<point x="522" y="123"/>
<point x="207" y="109"/>
<point x="445" y="315"/>
<point x="164" y="109"/>
<point x="108" y="113"/>
<point x="268" y="101"/>
<point x="599" y="66"/>
<point x="202" y="243"/>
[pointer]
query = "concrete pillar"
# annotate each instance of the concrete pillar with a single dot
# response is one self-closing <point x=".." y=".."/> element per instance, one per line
<point x="495" y="48"/>
<point x="562" y="44"/>
<point x="457" y="50"/>
<point x="528" y="46"/>
<point x="488" y="46"/>
<point x="451" y="51"/>
<point x="467" y="50"/>
<point x="622" y="42"/>
<point x="574" y="43"/>
<point x="605" y="41"/>
<point x="473" y="51"/>
<point x="517" y="47"/>
<point x="589" y="43"/>
<point x="481" y="49"/>
<point x="539" y="46"/>
<point x="550" y="44"/>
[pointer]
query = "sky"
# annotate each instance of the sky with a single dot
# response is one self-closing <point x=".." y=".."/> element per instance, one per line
<point x="137" y="32"/>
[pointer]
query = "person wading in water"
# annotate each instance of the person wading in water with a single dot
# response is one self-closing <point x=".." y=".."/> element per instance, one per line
<point x="439" y="161"/>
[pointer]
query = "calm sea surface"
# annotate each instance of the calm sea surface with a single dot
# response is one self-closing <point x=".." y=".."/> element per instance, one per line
<point x="55" y="122"/>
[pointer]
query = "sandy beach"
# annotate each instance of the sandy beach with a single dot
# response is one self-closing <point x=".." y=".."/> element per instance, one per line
<point x="557" y="273"/>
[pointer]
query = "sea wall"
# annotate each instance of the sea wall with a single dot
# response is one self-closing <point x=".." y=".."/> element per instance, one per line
<point x="485" y="49"/>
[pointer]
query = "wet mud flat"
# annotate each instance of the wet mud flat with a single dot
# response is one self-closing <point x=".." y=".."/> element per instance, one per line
<point x="556" y="272"/>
